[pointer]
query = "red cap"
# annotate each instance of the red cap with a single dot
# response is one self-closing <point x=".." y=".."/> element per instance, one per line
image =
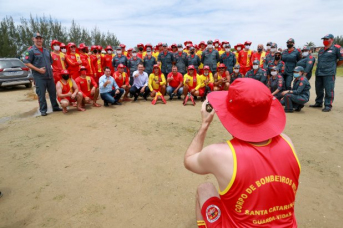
<point x="191" y="67"/>
<point x="62" y="45"/>
<point x="122" y="45"/>
<point x="71" y="44"/>
<point x="121" y="66"/>
<point x="156" y="66"/>
<point x="130" y="49"/>
<point x="159" y="44"/>
<point x="247" y="43"/>
<point x="222" y="65"/>
<point x="206" y="67"/>
<point x="83" y="46"/>
<point x="202" y="42"/>
<point x="94" y="47"/>
<point x="174" y="45"/>
<point x="109" y="48"/>
<point x="225" y="42"/>
<point x="249" y="111"/>
<point x="64" y="72"/>
<point x="140" y="45"/>
<point x="99" y="48"/>
<point x="55" y="42"/>
<point x="216" y="41"/>
<point x="239" y="45"/>
<point x="83" y="68"/>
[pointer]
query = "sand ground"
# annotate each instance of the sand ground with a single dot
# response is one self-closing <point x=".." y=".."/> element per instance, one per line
<point x="122" y="166"/>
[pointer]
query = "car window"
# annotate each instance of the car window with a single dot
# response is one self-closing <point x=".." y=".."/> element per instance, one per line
<point x="11" y="63"/>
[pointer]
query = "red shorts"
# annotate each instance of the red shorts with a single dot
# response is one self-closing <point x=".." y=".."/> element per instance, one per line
<point x="214" y="213"/>
<point x="66" y="98"/>
<point x="202" y="91"/>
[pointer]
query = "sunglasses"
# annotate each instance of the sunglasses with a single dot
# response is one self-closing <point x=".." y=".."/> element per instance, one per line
<point x="65" y="75"/>
<point x="73" y="47"/>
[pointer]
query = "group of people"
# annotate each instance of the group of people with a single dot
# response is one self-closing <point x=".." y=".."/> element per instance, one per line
<point x="81" y="75"/>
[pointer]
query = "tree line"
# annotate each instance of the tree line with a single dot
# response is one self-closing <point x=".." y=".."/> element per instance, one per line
<point x="16" y="38"/>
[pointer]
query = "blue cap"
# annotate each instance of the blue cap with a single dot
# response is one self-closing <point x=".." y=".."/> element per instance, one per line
<point x="37" y="34"/>
<point x="298" y="69"/>
<point x="328" y="36"/>
<point x="290" y="40"/>
<point x="256" y="62"/>
<point x="306" y="48"/>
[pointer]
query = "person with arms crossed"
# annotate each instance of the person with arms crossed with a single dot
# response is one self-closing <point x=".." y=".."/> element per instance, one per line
<point x="257" y="170"/>
<point x="39" y="60"/>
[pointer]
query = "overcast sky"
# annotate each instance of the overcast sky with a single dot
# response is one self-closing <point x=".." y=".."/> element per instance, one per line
<point x="153" y="21"/>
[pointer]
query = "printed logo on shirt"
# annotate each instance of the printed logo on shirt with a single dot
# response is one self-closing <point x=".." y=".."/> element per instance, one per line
<point x="213" y="213"/>
<point x="73" y="57"/>
<point x="330" y="51"/>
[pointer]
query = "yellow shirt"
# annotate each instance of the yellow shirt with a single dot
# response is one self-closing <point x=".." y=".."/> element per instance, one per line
<point x="199" y="53"/>
<point x="191" y="82"/>
<point x="152" y="81"/>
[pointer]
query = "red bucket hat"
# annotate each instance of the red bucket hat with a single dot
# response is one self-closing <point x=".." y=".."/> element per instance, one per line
<point x="249" y="111"/>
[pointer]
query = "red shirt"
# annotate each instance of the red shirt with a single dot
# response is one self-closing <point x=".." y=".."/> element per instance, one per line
<point x="244" y="58"/>
<point x="107" y="62"/>
<point x="57" y="63"/>
<point x="86" y="62"/>
<point x="176" y="81"/>
<point x="124" y="79"/>
<point x="85" y="85"/>
<point x="263" y="186"/>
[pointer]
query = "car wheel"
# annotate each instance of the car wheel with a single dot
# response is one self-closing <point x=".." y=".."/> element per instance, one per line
<point x="28" y="85"/>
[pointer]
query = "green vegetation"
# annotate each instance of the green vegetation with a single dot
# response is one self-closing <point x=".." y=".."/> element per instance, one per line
<point x="15" y="39"/>
<point x="339" y="71"/>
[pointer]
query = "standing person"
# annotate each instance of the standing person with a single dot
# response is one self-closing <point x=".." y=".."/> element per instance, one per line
<point x="329" y="58"/>
<point x="68" y="92"/>
<point x="268" y="47"/>
<point x="202" y="46"/>
<point x="165" y="60"/>
<point x="73" y="60"/>
<point x="123" y="51"/>
<point x="307" y="62"/>
<point x="236" y="74"/>
<point x="140" y="48"/>
<point x="300" y="94"/>
<point x="244" y="58"/>
<point x="257" y="73"/>
<point x="149" y="61"/>
<point x="108" y="57"/>
<point x="238" y="48"/>
<point x="181" y="60"/>
<point x="119" y="58"/>
<point x="210" y="57"/>
<point x="140" y="83"/>
<point x="39" y="60"/>
<point x="260" y="54"/>
<point x="228" y="58"/>
<point x="157" y="51"/>
<point x="58" y="60"/>
<point x="122" y="80"/>
<point x="217" y="44"/>
<point x="96" y="63"/>
<point x="276" y="84"/>
<point x="256" y="170"/>
<point x="193" y="59"/>
<point x="132" y="64"/>
<point x="86" y="60"/>
<point x="109" y="90"/>
<point x="290" y="56"/>
<point x="88" y="87"/>
<point x="175" y="83"/>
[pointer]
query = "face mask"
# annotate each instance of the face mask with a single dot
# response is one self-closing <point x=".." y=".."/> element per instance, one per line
<point x="148" y="53"/>
<point x="259" y="49"/>
<point x="216" y="45"/>
<point x="305" y="53"/>
<point x="268" y="48"/>
<point x="109" y="52"/>
<point x="65" y="77"/>
<point x="95" y="51"/>
<point x="206" y="73"/>
<point x="296" y="75"/>
<point x="103" y="52"/>
<point x="192" y="52"/>
<point x="134" y="54"/>
<point x="255" y="67"/>
<point x="273" y="73"/>
<point x="180" y="49"/>
<point x="236" y="70"/>
<point x="57" y="48"/>
<point x="289" y="45"/>
<point x="277" y="57"/>
<point x="209" y="46"/>
<point x="140" y="49"/>
<point x="64" y="50"/>
<point x="273" y="50"/>
<point x="247" y="47"/>
<point x="326" y="42"/>
<point x="239" y="48"/>
<point x="119" y="52"/>
<point x="227" y="49"/>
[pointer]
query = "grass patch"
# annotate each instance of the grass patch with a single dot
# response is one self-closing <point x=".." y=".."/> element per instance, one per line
<point x="339" y="71"/>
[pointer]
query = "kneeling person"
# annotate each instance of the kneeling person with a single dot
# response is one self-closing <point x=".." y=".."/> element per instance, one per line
<point x="88" y="87"/>
<point x="300" y="94"/>
<point x="157" y="81"/>
<point x="190" y="81"/>
<point x="109" y="90"/>
<point x="276" y="84"/>
<point x="67" y="92"/>
<point x="175" y="81"/>
<point x="221" y="78"/>
<point x="122" y="80"/>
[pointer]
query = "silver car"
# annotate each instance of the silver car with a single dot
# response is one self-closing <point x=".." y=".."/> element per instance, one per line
<point x="14" y="72"/>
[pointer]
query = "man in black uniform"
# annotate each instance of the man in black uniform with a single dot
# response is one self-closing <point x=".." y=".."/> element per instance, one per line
<point x="165" y="60"/>
<point x="326" y="72"/>
<point x="39" y="60"/>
